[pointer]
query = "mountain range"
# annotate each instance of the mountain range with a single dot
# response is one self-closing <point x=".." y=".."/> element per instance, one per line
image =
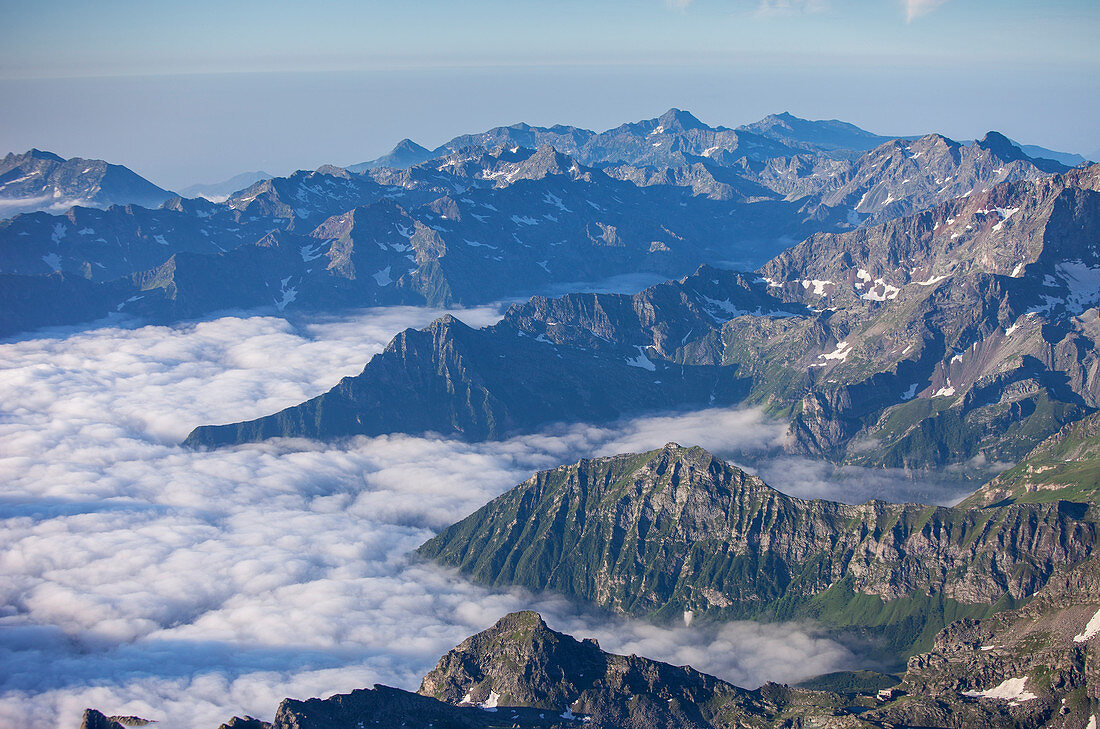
<point x="478" y="223"/>
<point x="913" y="303"/>
<point x="962" y="335"/>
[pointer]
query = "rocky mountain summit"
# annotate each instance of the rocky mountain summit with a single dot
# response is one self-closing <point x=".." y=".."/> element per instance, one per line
<point x="38" y="180"/>
<point x="677" y="532"/>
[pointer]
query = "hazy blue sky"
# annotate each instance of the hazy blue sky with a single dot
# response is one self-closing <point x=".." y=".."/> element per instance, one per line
<point x="198" y="91"/>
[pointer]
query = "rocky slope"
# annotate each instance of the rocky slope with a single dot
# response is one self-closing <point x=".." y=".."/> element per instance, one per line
<point x="38" y="180"/>
<point x="901" y="177"/>
<point x="1064" y="466"/>
<point x="1035" y="666"/>
<point x="676" y="532"/>
<point x="105" y="245"/>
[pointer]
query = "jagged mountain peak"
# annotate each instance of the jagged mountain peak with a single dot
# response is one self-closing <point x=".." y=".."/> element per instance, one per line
<point x="1000" y="144"/>
<point x="408" y="145"/>
<point x="41" y="154"/>
<point x="520" y="662"/>
<point x="678" y="120"/>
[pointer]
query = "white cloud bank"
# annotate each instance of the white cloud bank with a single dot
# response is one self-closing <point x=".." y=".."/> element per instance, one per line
<point x="142" y="578"/>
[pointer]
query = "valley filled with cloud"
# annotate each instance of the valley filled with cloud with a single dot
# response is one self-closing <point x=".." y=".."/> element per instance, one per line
<point x="140" y="577"/>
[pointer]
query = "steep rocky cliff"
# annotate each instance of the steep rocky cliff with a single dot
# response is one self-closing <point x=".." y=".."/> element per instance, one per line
<point x="677" y="531"/>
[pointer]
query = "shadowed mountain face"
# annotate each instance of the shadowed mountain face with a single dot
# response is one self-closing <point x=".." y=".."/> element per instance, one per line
<point x="676" y="531"/>
<point x="962" y="335"/>
<point x="38" y="180"/>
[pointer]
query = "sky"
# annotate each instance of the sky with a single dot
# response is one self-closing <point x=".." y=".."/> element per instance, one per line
<point x="200" y="91"/>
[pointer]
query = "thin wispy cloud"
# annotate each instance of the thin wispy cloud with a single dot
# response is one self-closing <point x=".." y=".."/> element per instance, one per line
<point x="916" y="8"/>
<point x="790" y="7"/>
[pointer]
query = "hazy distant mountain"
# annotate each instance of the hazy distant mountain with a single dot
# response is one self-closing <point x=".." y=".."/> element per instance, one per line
<point x="38" y="180"/>
<point x="476" y="224"/>
<point x="670" y="139"/>
<point x="406" y="154"/>
<point x="219" y="191"/>
<point x="1067" y="158"/>
<point x="815" y="136"/>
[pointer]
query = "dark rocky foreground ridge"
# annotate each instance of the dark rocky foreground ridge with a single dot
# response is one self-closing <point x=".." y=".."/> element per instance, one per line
<point x="964" y="335"/>
<point x="677" y="532"/>
<point x="521" y="674"/>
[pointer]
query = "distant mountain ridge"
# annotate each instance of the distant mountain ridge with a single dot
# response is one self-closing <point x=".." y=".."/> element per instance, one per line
<point x="478" y="224"/>
<point x="37" y="180"/>
<point x="678" y="133"/>
<point x="220" y="191"/>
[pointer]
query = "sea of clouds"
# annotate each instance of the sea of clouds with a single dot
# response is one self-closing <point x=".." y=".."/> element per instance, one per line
<point x="139" y="577"/>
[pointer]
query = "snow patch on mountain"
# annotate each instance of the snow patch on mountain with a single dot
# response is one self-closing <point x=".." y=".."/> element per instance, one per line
<point x="383" y="276"/>
<point x="1092" y="629"/>
<point x="1011" y="690"/>
<point x="641" y="360"/>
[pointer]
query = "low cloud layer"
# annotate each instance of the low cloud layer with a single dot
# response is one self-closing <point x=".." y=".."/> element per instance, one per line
<point x="143" y="578"/>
